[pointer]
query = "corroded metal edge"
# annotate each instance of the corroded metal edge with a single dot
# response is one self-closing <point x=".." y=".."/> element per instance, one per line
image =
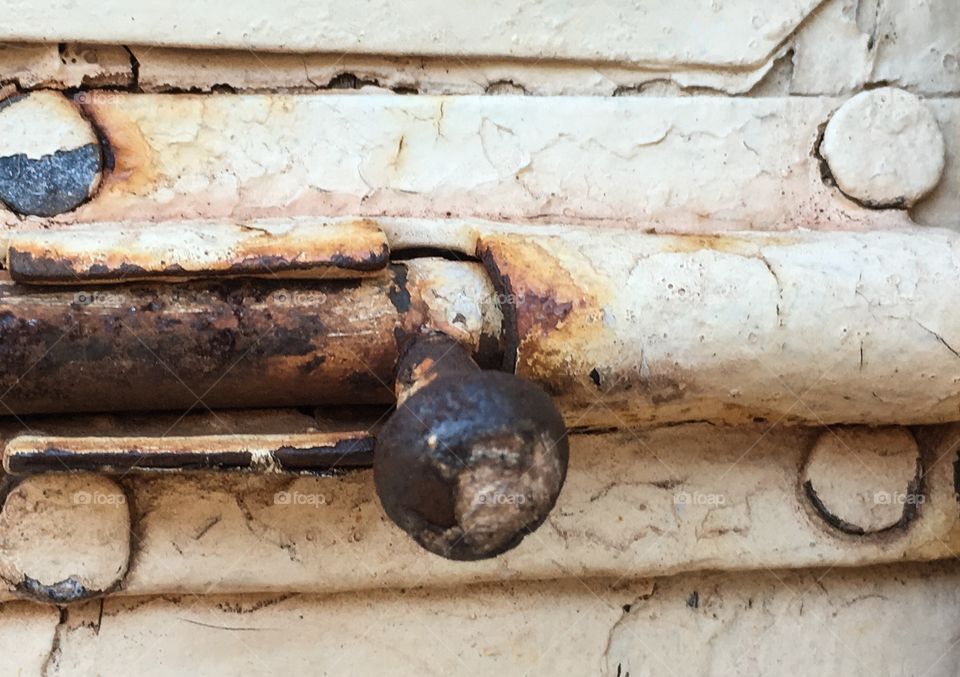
<point x="296" y="452"/>
<point x="111" y="253"/>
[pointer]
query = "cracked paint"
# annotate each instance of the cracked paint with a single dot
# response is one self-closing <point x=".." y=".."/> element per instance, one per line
<point x="636" y="504"/>
<point x="641" y="163"/>
<point x="813" y="328"/>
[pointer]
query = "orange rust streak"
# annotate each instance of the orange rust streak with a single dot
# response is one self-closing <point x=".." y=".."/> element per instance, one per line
<point x="113" y="252"/>
<point x="730" y="244"/>
<point x="553" y="309"/>
<point x="133" y="172"/>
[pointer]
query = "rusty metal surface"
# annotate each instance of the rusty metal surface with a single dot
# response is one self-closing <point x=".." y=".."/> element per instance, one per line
<point x="459" y="302"/>
<point x="108" y="253"/>
<point x="234" y="343"/>
<point x="298" y="452"/>
<point x="426" y="358"/>
<point x="198" y="422"/>
<point x="629" y="329"/>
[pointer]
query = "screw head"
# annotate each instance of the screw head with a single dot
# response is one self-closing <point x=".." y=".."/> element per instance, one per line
<point x="469" y="465"/>
<point x="50" y="157"/>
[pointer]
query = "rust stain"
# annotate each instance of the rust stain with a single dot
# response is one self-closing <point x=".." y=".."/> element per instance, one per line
<point x="550" y="308"/>
<point x="219" y="344"/>
<point x="130" y="168"/>
<point x="112" y="253"/>
<point x="730" y="244"/>
<point x="554" y="300"/>
<point x="227" y="344"/>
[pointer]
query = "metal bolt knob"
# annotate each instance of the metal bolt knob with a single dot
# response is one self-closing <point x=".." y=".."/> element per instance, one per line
<point x="471" y="461"/>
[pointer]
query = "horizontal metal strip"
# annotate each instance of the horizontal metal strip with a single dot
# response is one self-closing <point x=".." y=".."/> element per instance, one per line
<point x="802" y="327"/>
<point x="878" y="619"/>
<point x="686" y="164"/>
<point x="683" y="498"/>
<point x="833" y="52"/>
<point x="298" y="452"/>
<point x="622" y="328"/>
<point x="109" y="253"/>
<point x="654" y="31"/>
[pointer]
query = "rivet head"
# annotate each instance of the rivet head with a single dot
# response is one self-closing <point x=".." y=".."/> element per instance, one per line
<point x="884" y="148"/>
<point x="50" y="157"/>
<point x="864" y="480"/>
<point x="64" y="537"/>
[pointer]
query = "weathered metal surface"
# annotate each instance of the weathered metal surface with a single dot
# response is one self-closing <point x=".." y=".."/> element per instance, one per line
<point x="427" y="358"/>
<point x="622" y="328"/>
<point x="865" y="480"/>
<point x="83" y="518"/>
<point x="884" y="148"/>
<point x="835" y="50"/>
<point x="636" y="504"/>
<point x="459" y="301"/>
<point x="805" y="327"/>
<point x="896" y="621"/>
<point x="470" y="462"/>
<point x="164" y="69"/>
<point x="701" y="163"/>
<point x="302" y="452"/>
<point x="123" y="252"/>
<point x="237" y="343"/>
<point x="736" y="34"/>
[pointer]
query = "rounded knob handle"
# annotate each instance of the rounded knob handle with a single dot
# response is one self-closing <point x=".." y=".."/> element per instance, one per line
<point x="471" y="461"/>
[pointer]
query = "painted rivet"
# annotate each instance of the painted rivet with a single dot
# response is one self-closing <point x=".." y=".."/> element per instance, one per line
<point x="50" y="157"/>
<point x="884" y="148"/>
<point x="864" y="480"/>
<point x="64" y="537"/>
<point x="471" y="461"/>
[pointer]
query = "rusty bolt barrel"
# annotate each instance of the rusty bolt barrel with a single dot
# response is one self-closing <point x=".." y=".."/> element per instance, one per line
<point x="471" y="461"/>
<point x="230" y="343"/>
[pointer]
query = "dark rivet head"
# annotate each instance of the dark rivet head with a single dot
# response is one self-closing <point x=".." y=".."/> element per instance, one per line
<point x="50" y="159"/>
<point x="471" y="461"/>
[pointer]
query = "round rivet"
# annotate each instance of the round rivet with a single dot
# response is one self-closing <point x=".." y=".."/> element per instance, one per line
<point x="864" y="480"/>
<point x="884" y="148"/>
<point x="64" y="537"/>
<point x="50" y="159"/>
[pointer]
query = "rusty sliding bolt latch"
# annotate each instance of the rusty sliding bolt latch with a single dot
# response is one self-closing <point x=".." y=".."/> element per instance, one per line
<point x="471" y="461"/>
